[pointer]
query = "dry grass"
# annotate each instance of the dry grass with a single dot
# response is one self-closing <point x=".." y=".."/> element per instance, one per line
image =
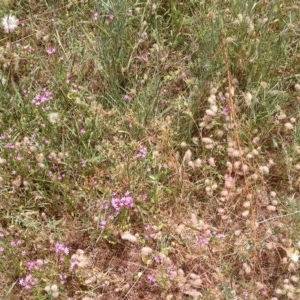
<point x="150" y="150"/>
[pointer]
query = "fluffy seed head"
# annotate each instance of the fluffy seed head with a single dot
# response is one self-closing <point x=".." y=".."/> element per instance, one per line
<point x="9" y="23"/>
<point x="54" y="117"/>
<point x="128" y="237"/>
<point x="146" y="251"/>
<point x="289" y="126"/>
<point x="245" y="213"/>
<point x="187" y="156"/>
<point x="248" y="99"/>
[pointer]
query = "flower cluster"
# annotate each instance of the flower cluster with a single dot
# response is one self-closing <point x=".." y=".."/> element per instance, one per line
<point x="142" y="152"/>
<point x="51" y="50"/>
<point x="42" y="97"/>
<point x="28" y="282"/>
<point x="36" y="264"/>
<point x="126" y="201"/>
<point x="61" y="250"/>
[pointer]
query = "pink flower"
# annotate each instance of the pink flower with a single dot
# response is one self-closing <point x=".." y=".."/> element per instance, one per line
<point x="96" y="16"/>
<point x="28" y="282"/>
<point x="51" y="50"/>
<point x="127" y="97"/>
<point x="111" y="17"/>
<point x="142" y="152"/>
<point x="102" y="224"/>
<point x="60" y="248"/>
<point x="151" y="278"/>
<point x="32" y="265"/>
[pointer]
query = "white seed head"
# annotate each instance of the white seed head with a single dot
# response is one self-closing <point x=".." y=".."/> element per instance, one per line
<point x="210" y="113"/>
<point x="191" y="164"/>
<point x="297" y="87"/>
<point x="229" y="166"/>
<point x="213" y="92"/>
<point x="54" y="117"/>
<point x="279" y="291"/>
<point x="9" y="23"/>
<point x="214" y="108"/>
<point x="198" y="163"/>
<point x="54" y="288"/>
<point x="264" y="170"/>
<point x="271" y="208"/>
<point x="219" y="133"/>
<point x="245" y="213"/>
<point x="209" y="146"/>
<point x="249" y="156"/>
<point x="17" y="182"/>
<point x="212" y="99"/>
<point x="179" y="228"/>
<point x="289" y="126"/>
<point x="195" y="140"/>
<point x="294" y="278"/>
<point x="224" y="193"/>
<point x="236" y="153"/>
<point x="80" y="252"/>
<point x="247" y="204"/>
<point x="211" y="162"/>
<point x="250" y="29"/>
<point x="128" y="237"/>
<point x="214" y="186"/>
<point x="187" y="156"/>
<point x="230" y="39"/>
<point x="230" y="151"/>
<point x="146" y="251"/>
<point x="155" y="153"/>
<point x="183" y="144"/>
<point x="220" y="210"/>
<point x="47" y="288"/>
<point x="196" y="283"/>
<point x="248" y="99"/>
<point x="264" y="85"/>
<point x="208" y="189"/>
<point x="294" y="257"/>
<point x="207" y="140"/>
<point x="207" y="181"/>
<point x="281" y="116"/>
<point x="246" y="268"/>
<point x="245" y="168"/>
<point x="237" y="165"/>
<point x="40" y="157"/>
<point x="32" y="148"/>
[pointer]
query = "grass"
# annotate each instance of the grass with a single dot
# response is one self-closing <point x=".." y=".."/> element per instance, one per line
<point x="150" y="150"/>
